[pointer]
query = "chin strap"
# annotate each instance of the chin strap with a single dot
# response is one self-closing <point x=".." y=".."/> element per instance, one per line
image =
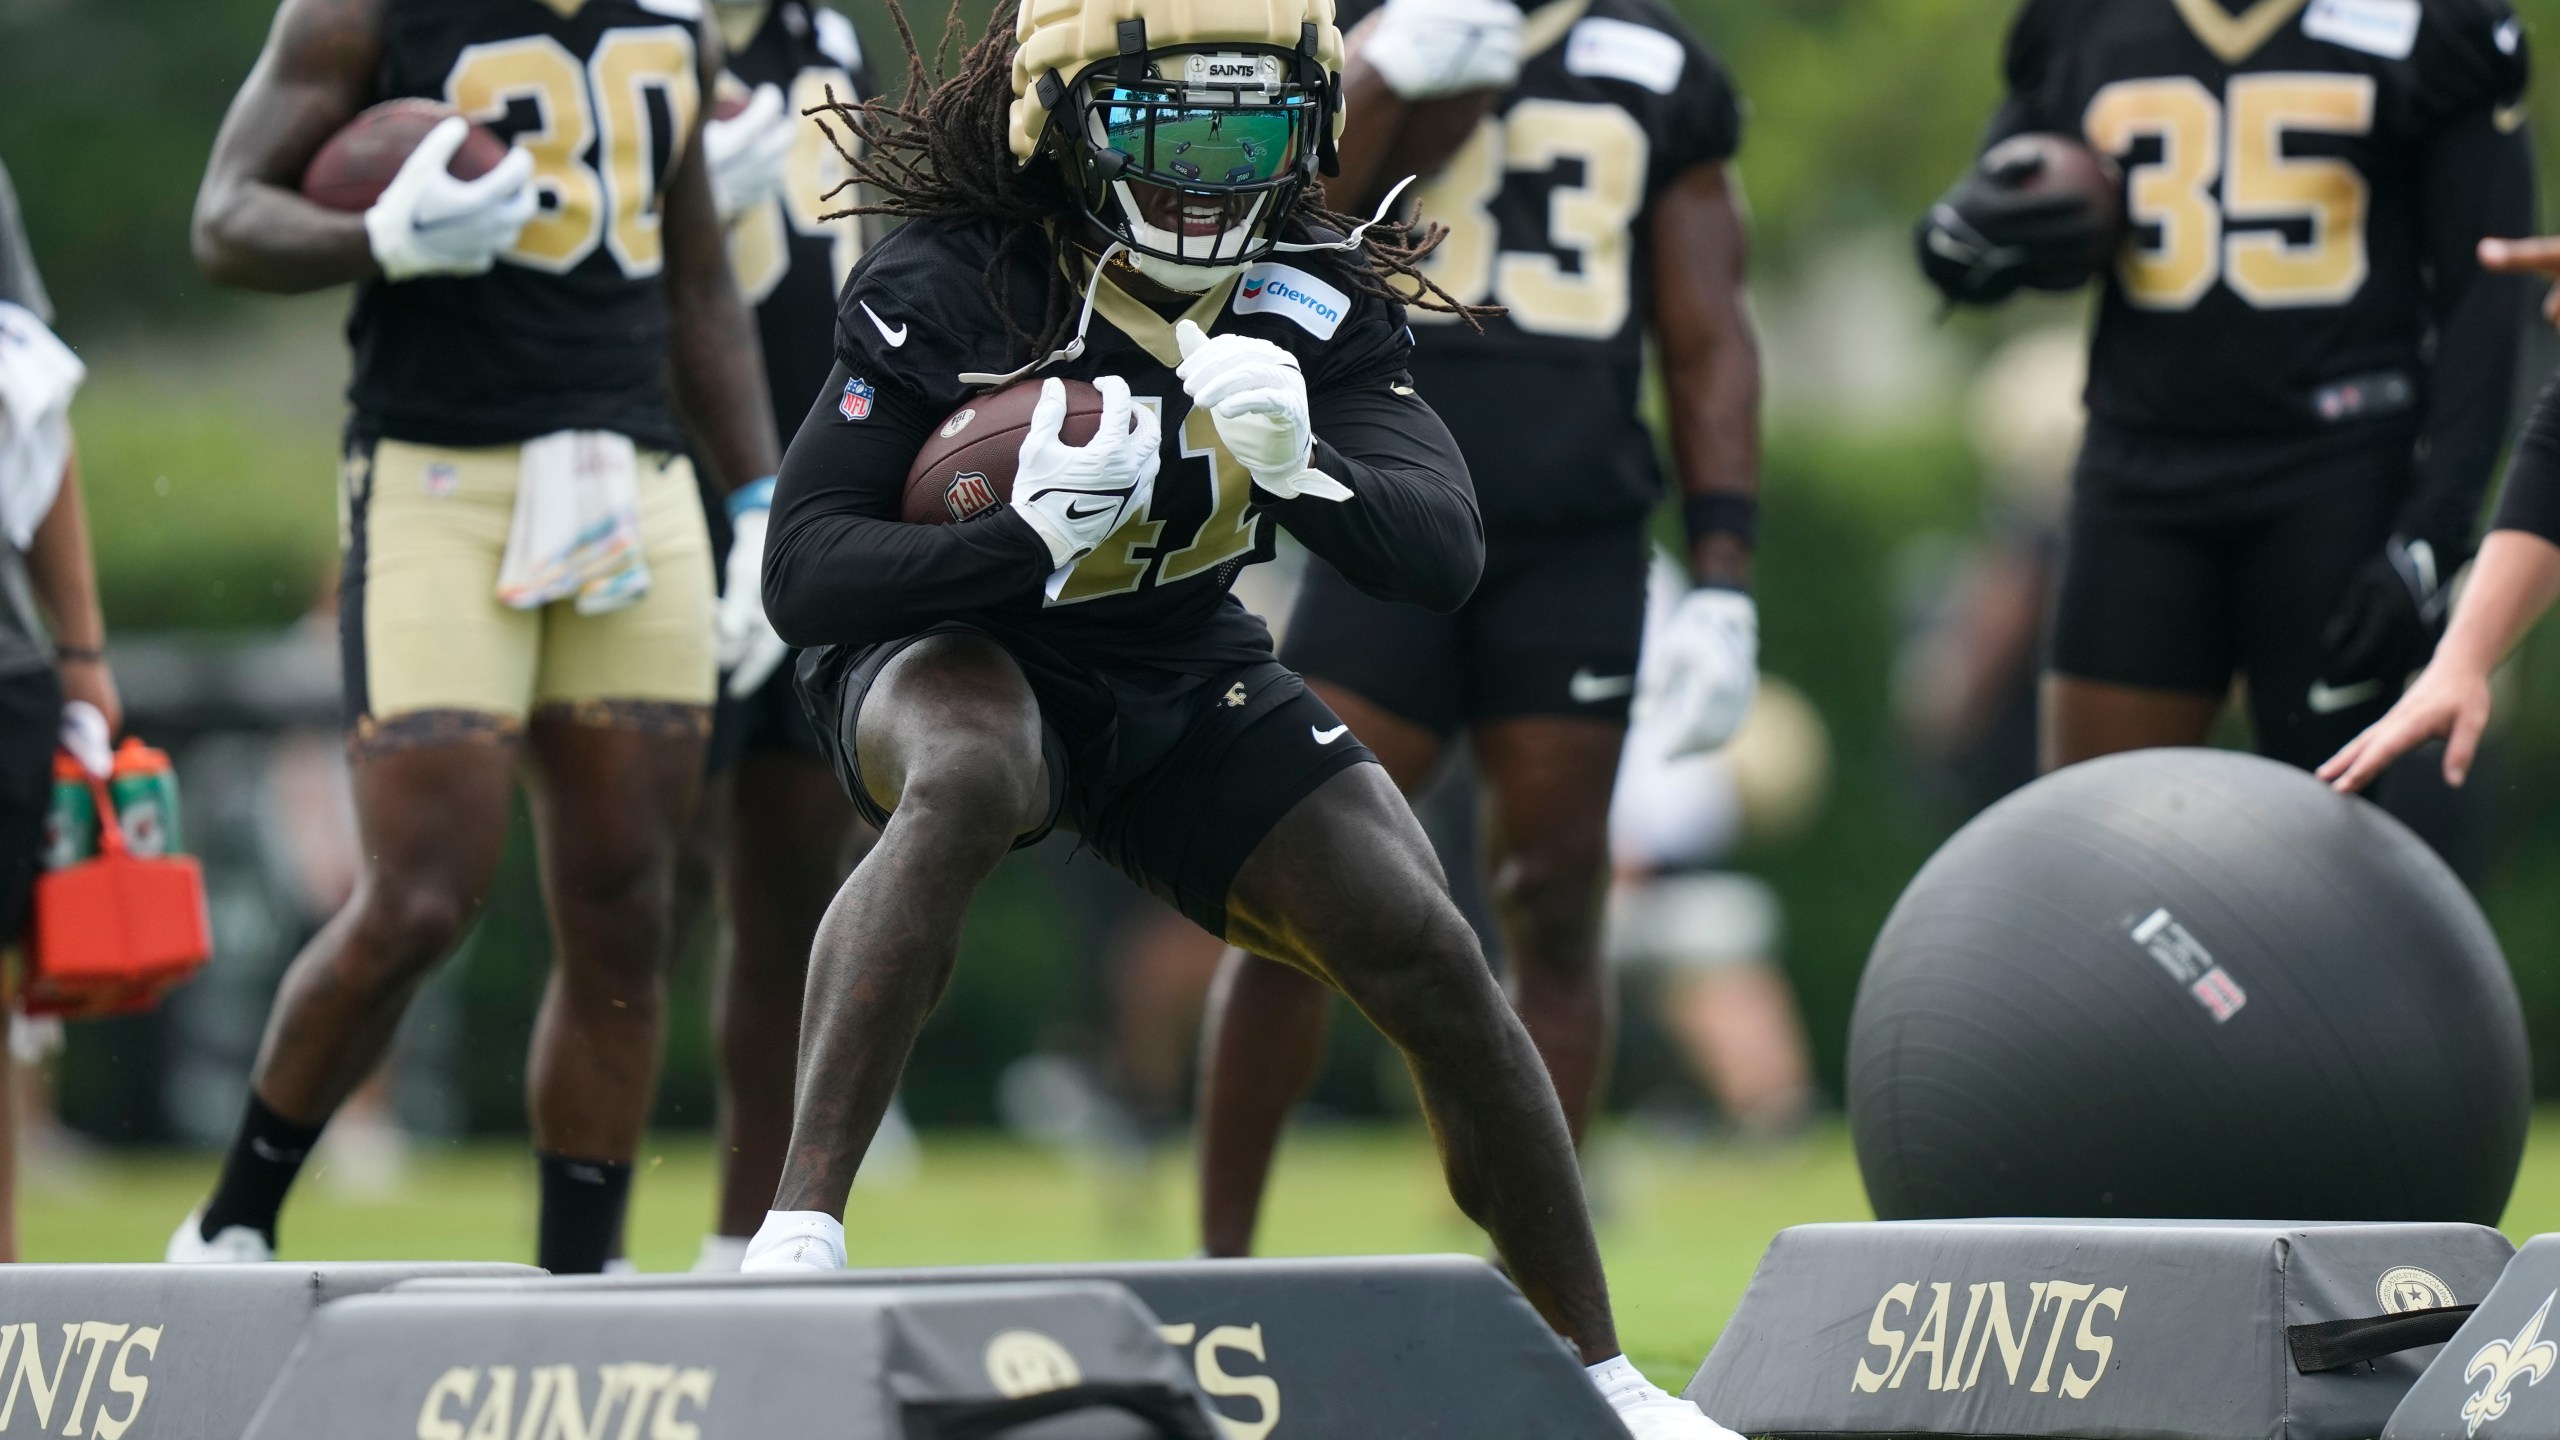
<point x="1352" y="240"/>
<point x="1064" y="354"/>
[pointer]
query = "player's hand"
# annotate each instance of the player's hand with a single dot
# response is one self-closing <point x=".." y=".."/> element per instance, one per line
<point x="1257" y="399"/>
<point x="745" y="152"/>
<point x="1425" y="49"/>
<point x="1701" y="672"/>
<point x="2536" y="255"/>
<point x="1074" y="495"/>
<point x="2387" y="623"/>
<point x="2448" y="699"/>
<point x="1991" y="234"/>
<point x="749" y="648"/>
<point x="428" y="223"/>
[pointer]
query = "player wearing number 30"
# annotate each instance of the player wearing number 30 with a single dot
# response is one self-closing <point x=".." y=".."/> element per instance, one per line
<point x="527" y="580"/>
<point x="1069" y="652"/>
<point x="2301" y="375"/>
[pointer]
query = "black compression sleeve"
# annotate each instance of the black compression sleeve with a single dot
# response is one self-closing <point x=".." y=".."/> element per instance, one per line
<point x="2478" y="182"/>
<point x="2531" y="501"/>
<point x="1411" y="531"/>
<point x="840" y="568"/>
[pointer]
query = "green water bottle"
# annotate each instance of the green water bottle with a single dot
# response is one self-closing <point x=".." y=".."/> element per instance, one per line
<point x="71" y="826"/>
<point x="144" y="788"/>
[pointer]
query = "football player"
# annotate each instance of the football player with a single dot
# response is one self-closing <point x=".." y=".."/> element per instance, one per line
<point x="2515" y="581"/>
<point x="1128" y="199"/>
<point x="2300" y="375"/>
<point x="1594" y="202"/>
<point x="511" y="333"/>
<point x="772" y="814"/>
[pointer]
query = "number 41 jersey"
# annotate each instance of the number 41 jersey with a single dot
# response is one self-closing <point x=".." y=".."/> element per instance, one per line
<point x="1549" y="206"/>
<point x="2277" y="158"/>
<point x="569" y="330"/>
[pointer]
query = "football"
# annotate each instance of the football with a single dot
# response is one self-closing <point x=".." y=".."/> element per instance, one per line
<point x="352" y="169"/>
<point x="967" y="464"/>
<point x="2041" y="165"/>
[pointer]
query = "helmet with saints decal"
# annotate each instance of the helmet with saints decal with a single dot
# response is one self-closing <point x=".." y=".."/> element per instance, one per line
<point x="1187" y="128"/>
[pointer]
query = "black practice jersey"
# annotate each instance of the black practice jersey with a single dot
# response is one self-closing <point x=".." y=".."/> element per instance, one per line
<point x="789" y="261"/>
<point x="569" y="330"/>
<point x="1549" y="209"/>
<point x="916" y="316"/>
<point x="2291" y="194"/>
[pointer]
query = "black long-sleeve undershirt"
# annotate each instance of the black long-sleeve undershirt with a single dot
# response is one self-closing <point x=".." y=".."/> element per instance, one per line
<point x="841" y="568"/>
<point x="2478" y="181"/>
<point x="2531" y="501"/>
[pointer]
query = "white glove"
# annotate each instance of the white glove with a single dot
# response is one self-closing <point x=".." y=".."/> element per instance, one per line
<point x="1075" y="495"/>
<point x="1425" y="49"/>
<point x="428" y="223"/>
<point x="746" y="151"/>
<point x="1701" y="671"/>
<point x="1257" y="399"/>
<point x="749" y="648"/>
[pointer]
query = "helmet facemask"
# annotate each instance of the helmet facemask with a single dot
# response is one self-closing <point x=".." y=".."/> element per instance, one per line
<point x="1191" y="156"/>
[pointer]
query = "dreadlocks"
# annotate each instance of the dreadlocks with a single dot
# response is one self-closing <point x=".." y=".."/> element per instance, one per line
<point x="943" y="154"/>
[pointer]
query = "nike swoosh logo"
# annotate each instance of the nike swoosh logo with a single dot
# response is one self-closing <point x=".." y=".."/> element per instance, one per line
<point x="1327" y="737"/>
<point x="895" y="337"/>
<point x="1589" y="689"/>
<point x="2328" y="700"/>
<point x="273" y="1156"/>
<point x="1103" y="509"/>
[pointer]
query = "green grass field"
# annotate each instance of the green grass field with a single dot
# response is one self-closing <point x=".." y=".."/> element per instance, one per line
<point x="1682" y="1225"/>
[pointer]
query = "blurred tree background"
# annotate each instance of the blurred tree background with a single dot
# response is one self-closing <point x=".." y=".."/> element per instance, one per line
<point x="208" y="437"/>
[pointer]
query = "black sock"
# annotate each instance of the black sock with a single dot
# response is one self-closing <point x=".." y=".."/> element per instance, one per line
<point x="582" y="1203"/>
<point x="265" y="1156"/>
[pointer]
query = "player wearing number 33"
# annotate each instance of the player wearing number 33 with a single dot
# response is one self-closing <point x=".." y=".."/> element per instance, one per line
<point x="1066" y="652"/>
<point x="2301" y="376"/>
<point x="527" y="580"/>
<point x="1579" y="153"/>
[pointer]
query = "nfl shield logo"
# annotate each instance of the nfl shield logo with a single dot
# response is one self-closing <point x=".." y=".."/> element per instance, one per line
<point x="969" y="494"/>
<point x="856" y="404"/>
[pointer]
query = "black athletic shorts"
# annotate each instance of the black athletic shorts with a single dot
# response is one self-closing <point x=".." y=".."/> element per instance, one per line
<point x="30" y="728"/>
<point x="1173" y="779"/>
<point x="2176" y="595"/>
<point x="1552" y="629"/>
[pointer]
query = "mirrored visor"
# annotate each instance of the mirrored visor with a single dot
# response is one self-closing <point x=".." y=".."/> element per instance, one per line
<point x="1173" y="141"/>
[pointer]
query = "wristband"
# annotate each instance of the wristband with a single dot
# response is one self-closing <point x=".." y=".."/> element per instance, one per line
<point x="1719" y="513"/>
<point x="756" y="496"/>
<point x="81" y="654"/>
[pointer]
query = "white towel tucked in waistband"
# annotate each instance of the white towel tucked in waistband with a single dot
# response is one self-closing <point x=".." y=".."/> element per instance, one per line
<point x="38" y="374"/>
<point x="577" y="524"/>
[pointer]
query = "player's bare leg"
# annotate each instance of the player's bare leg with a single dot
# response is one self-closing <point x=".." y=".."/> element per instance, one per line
<point x="1547" y="781"/>
<point x="2084" y="719"/>
<point x="1347" y="886"/>
<point x="1262" y="1038"/>
<point x="609" y="801"/>
<point x="790" y="834"/>
<point x="432" y="820"/>
<point x="949" y="742"/>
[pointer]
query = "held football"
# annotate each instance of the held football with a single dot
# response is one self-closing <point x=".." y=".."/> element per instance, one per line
<point x="355" y="165"/>
<point x="966" y="466"/>
<point x="2042" y="169"/>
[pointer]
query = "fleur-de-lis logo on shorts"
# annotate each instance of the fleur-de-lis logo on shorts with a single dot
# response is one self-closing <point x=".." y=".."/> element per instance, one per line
<point x="2528" y="1357"/>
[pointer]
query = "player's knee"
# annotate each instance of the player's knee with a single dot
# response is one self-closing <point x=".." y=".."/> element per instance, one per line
<point x="974" y="791"/>
<point x="1425" y="981"/>
<point x="411" y="923"/>
<point x="1550" y="894"/>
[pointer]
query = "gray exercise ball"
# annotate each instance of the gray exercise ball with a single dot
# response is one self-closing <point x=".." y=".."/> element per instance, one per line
<point x="2187" y="983"/>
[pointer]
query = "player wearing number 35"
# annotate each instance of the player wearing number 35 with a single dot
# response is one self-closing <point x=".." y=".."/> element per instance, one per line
<point x="1116" y="202"/>
<point x="2301" y="375"/>
<point x="527" y="576"/>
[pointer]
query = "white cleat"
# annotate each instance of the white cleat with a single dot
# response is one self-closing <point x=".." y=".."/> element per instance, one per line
<point x="1647" y="1410"/>
<point x="794" y="1240"/>
<point x="721" y="1255"/>
<point x="235" y="1245"/>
